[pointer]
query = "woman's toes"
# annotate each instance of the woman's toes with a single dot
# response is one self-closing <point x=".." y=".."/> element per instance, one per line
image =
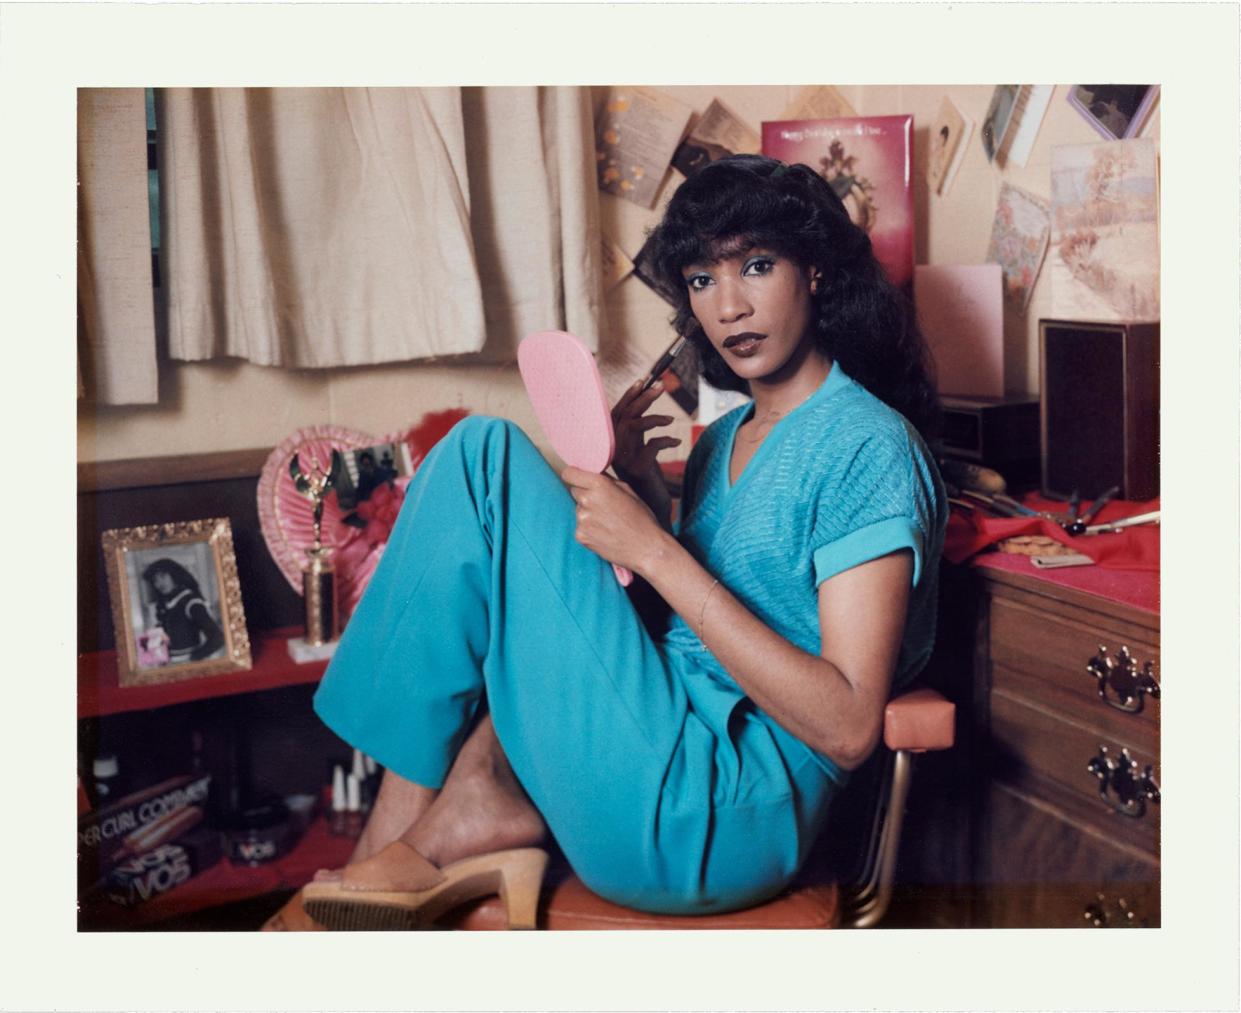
<point x="328" y="876"/>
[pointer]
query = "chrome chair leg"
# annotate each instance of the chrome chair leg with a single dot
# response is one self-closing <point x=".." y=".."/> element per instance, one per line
<point x="871" y="902"/>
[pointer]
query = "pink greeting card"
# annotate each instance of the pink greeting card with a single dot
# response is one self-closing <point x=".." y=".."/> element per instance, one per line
<point x="961" y="313"/>
<point x="867" y="160"/>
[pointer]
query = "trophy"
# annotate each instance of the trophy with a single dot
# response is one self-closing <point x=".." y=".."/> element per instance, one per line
<point x="318" y="574"/>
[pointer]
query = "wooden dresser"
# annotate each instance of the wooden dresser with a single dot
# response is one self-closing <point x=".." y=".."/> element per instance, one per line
<point x="1066" y="709"/>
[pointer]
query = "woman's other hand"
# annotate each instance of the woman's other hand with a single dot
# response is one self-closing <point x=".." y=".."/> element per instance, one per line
<point x="612" y="521"/>
<point x="634" y="459"/>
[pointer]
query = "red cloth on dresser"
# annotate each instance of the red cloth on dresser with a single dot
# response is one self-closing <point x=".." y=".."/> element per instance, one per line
<point x="1134" y="548"/>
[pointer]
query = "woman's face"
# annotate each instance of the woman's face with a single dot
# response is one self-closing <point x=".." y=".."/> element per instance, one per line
<point x="162" y="582"/>
<point x="755" y="309"/>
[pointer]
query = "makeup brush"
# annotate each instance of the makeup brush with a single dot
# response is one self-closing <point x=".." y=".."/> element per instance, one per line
<point x="662" y="363"/>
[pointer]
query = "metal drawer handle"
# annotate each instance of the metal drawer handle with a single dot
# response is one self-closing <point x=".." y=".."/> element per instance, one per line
<point x="1100" y="914"/>
<point x="1120" y="674"/>
<point x="1133" y="789"/>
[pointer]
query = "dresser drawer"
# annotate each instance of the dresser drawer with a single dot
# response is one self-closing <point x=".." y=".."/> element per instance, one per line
<point x="1049" y="756"/>
<point x="1048" y="657"/>
<point x="1045" y="870"/>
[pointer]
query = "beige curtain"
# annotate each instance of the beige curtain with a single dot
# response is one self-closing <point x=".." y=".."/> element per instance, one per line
<point x="315" y="227"/>
<point x="116" y="315"/>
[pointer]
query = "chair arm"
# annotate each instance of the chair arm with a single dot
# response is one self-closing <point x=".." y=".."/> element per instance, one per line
<point x="919" y="720"/>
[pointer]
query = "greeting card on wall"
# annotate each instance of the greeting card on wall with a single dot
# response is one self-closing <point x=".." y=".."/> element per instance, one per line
<point x="1105" y="234"/>
<point x="1019" y="241"/>
<point x="719" y="132"/>
<point x="615" y="266"/>
<point x="948" y="138"/>
<point x="867" y="161"/>
<point x="818" y="102"/>
<point x="635" y="137"/>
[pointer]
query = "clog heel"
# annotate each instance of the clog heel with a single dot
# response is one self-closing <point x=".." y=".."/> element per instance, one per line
<point x="399" y="889"/>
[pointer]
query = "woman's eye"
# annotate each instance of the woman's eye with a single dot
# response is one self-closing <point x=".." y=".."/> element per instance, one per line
<point x="697" y="282"/>
<point x="758" y="266"/>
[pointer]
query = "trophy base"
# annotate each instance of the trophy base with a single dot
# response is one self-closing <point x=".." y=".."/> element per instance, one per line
<point x="302" y="652"/>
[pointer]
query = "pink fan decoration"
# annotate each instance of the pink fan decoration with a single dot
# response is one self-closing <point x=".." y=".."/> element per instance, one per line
<point x="287" y="518"/>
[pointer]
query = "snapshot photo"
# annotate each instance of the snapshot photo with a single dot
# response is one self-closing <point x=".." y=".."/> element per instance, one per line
<point x="1117" y="111"/>
<point x="368" y="468"/>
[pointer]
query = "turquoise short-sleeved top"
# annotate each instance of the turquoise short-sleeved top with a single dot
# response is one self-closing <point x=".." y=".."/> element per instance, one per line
<point x="840" y="480"/>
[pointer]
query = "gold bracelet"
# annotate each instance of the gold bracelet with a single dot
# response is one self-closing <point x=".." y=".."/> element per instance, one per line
<point x="702" y="613"/>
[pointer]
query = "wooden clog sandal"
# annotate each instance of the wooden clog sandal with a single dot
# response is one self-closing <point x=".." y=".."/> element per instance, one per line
<point x="292" y="918"/>
<point x="398" y="888"/>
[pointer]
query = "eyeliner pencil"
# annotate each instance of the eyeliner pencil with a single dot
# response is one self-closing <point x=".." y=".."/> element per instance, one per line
<point x="662" y="363"/>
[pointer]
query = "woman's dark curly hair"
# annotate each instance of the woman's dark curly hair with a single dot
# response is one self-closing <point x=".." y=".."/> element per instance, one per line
<point x="181" y="577"/>
<point x="864" y="322"/>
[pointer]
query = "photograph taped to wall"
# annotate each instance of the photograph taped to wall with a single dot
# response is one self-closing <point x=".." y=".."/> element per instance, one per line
<point x="176" y="601"/>
<point x="999" y="116"/>
<point x="1117" y="111"/>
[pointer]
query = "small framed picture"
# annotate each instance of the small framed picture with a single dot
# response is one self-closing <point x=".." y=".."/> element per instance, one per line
<point x="176" y="601"/>
<point x="1117" y="111"/>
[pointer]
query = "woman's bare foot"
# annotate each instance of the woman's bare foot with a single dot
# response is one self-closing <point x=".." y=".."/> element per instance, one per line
<point x="399" y="805"/>
<point x="482" y="808"/>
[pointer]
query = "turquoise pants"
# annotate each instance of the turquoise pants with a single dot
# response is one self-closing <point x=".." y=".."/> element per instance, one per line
<point x="666" y="790"/>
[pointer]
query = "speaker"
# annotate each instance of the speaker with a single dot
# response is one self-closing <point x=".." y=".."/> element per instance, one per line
<point x="1099" y="408"/>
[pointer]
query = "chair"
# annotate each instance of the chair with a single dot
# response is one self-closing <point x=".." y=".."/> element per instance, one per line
<point x="841" y="888"/>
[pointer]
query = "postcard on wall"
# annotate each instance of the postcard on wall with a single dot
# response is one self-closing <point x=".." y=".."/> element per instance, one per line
<point x="1104" y="253"/>
<point x="818" y="102"/>
<point x="717" y="133"/>
<point x="614" y="264"/>
<point x="1027" y="118"/>
<point x="644" y="272"/>
<point x="999" y="115"/>
<point x="949" y="136"/>
<point x="961" y="315"/>
<point x="635" y="138"/>
<point x="867" y="161"/>
<point x="1019" y="237"/>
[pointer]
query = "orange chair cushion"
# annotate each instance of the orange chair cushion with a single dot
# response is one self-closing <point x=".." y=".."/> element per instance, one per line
<point x="567" y="904"/>
<point x="920" y="720"/>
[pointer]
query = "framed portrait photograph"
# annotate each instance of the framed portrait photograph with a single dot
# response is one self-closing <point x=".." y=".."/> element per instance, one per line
<point x="1117" y="111"/>
<point x="176" y="601"/>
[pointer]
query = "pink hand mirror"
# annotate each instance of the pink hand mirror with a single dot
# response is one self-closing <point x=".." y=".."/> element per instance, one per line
<point x="570" y="403"/>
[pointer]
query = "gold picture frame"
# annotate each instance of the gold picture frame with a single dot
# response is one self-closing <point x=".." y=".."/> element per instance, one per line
<point x="176" y="601"/>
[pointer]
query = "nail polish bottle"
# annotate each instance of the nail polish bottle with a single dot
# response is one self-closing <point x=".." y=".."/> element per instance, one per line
<point x="359" y="774"/>
<point x="353" y="807"/>
<point x="337" y="818"/>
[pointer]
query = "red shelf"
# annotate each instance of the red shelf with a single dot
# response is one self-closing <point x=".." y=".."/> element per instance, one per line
<point x="100" y="692"/>
<point x="226" y="883"/>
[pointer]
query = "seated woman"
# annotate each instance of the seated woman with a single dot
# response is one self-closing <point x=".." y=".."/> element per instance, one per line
<point x="502" y="676"/>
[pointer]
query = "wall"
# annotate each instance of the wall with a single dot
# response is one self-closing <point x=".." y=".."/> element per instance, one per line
<point x="232" y="405"/>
